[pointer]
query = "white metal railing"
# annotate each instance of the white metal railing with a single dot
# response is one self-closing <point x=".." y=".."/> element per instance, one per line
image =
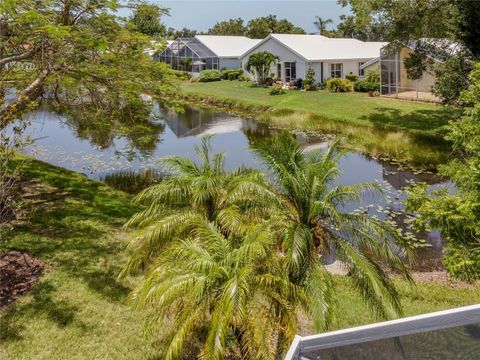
<point x="394" y="329"/>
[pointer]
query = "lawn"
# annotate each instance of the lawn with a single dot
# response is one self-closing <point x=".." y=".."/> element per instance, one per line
<point x="79" y="310"/>
<point x="406" y="131"/>
<point x="352" y="107"/>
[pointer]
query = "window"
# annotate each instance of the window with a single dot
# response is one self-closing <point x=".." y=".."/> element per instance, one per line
<point x="290" y="71"/>
<point x="279" y="71"/>
<point x="336" y="70"/>
<point x="361" y="72"/>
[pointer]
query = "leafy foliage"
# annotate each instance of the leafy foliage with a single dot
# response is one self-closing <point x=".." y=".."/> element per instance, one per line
<point x="260" y="63"/>
<point x="81" y="55"/>
<point x="366" y="86"/>
<point x="210" y="75"/>
<point x="321" y="25"/>
<point x="261" y="27"/>
<point x="147" y="19"/>
<point x="458" y="216"/>
<point x="232" y="27"/>
<point x="276" y="90"/>
<point x="309" y="82"/>
<point x="351" y="77"/>
<point x="339" y="85"/>
<point x="231" y="74"/>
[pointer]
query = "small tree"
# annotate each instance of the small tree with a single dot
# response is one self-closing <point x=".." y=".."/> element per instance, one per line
<point x="259" y="64"/>
<point x="309" y="82"/>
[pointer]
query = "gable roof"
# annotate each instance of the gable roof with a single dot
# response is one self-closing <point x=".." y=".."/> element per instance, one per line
<point x="318" y="47"/>
<point x="370" y="62"/>
<point x="227" y="46"/>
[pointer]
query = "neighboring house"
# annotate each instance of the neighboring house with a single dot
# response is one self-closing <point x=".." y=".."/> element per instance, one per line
<point x="393" y="74"/>
<point x="204" y="52"/>
<point x="328" y="57"/>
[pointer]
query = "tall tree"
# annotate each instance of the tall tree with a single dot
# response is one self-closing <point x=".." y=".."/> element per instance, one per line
<point x="321" y="25"/>
<point x="79" y="53"/>
<point x="147" y="19"/>
<point x="233" y="27"/>
<point x="261" y="27"/>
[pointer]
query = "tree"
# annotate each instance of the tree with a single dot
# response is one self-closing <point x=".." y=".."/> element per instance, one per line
<point x="81" y="55"/>
<point x="457" y="216"/>
<point x="174" y="34"/>
<point x="261" y="27"/>
<point x="321" y="25"/>
<point x="223" y="285"/>
<point x="349" y="28"/>
<point x="259" y="64"/>
<point x="147" y="19"/>
<point x="311" y="225"/>
<point x="204" y="190"/>
<point x="233" y="27"/>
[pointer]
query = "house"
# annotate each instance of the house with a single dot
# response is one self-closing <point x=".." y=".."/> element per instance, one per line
<point x="328" y="57"/>
<point x="204" y="52"/>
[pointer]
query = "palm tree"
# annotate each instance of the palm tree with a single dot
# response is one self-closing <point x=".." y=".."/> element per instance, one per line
<point x="311" y="224"/>
<point x="204" y="190"/>
<point x="321" y="24"/>
<point x="223" y="285"/>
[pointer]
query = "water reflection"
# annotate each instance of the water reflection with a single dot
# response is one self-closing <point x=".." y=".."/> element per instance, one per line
<point x="98" y="148"/>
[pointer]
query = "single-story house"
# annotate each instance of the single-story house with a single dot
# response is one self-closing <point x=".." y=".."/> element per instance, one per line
<point x="204" y="52"/>
<point x="328" y="57"/>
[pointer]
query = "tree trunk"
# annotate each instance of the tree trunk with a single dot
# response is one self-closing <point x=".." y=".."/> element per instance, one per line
<point x="15" y="109"/>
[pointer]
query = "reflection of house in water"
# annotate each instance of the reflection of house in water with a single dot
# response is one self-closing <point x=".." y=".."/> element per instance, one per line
<point x="198" y="122"/>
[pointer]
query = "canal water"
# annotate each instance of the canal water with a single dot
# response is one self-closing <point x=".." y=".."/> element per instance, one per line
<point x="80" y="145"/>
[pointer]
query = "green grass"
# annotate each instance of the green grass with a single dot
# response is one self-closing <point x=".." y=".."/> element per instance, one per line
<point x="404" y="130"/>
<point x="79" y="310"/>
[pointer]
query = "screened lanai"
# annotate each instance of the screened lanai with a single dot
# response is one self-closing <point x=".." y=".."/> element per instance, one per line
<point x="189" y="54"/>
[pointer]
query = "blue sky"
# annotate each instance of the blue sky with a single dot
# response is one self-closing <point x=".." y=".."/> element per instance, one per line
<point x="200" y="14"/>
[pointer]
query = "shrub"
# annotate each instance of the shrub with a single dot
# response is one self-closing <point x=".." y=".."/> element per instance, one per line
<point x="243" y="78"/>
<point x="339" y="85"/>
<point x="277" y="90"/>
<point x="373" y="76"/>
<point x="351" y="77"/>
<point x="231" y="74"/>
<point x="210" y="75"/>
<point x="366" y="86"/>
<point x="309" y="82"/>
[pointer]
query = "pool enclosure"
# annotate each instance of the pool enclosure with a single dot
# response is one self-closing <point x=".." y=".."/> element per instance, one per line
<point x="188" y="54"/>
<point x="445" y="335"/>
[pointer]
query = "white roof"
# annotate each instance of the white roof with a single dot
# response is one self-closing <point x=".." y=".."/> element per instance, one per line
<point x="318" y="47"/>
<point x="227" y="46"/>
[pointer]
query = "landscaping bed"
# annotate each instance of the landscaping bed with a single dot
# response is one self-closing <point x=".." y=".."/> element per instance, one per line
<point x="18" y="273"/>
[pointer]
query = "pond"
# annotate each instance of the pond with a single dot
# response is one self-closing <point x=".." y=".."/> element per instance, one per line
<point x="100" y="149"/>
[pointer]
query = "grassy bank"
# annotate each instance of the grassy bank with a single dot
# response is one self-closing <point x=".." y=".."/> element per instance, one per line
<point x="403" y="130"/>
<point x="79" y="310"/>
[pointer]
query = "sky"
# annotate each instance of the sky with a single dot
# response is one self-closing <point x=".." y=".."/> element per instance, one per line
<point x="201" y="15"/>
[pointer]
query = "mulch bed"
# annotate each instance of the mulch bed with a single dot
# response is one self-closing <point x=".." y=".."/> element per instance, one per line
<point x="18" y="273"/>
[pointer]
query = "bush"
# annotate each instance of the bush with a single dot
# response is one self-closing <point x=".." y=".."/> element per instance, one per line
<point x="210" y="75"/>
<point x="232" y="74"/>
<point x="339" y="85"/>
<point x="366" y="86"/>
<point x="277" y="90"/>
<point x="243" y="78"/>
<point x="373" y="76"/>
<point x="351" y="77"/>
<point x="309" y="83"/>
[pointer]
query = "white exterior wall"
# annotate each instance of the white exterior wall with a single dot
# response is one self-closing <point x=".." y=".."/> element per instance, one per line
<point x="349" y="66"/>
<point x="284" y="55"/>
<point x="229" y="63"/>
